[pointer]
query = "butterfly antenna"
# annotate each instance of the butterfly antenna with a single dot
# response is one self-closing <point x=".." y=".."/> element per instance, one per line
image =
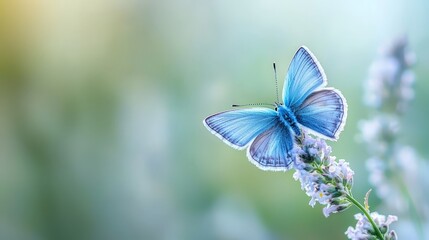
<point x="277" y="86"/>
<point x="253" y="104"/>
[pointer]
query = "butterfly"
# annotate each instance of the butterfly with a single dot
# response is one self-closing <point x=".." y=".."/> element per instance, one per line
<point x="270" y="134"/>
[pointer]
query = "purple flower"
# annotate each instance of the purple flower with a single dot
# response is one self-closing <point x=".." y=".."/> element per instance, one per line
<point x="322" y="177"/>
<point x="364" y="229"/>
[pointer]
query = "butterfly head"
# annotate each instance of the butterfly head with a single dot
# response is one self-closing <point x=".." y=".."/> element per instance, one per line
<point x="277" y="105"/>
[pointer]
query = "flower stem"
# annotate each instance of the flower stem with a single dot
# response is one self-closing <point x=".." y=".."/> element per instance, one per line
<point x="366" y="213"/>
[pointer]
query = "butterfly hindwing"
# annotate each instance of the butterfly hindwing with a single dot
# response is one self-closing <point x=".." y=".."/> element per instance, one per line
<point x="323" y="112"/>
<point x="238" y="128"/>
<point x="304" y="76"/>
<point x="271" y="150"/>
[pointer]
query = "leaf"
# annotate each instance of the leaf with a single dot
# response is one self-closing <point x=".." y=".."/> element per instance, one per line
<point x="366" y="199"/>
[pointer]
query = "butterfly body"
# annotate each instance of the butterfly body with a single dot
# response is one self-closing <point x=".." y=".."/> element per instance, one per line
<point x="287" y="117"/>
<point x="269" y="134"/>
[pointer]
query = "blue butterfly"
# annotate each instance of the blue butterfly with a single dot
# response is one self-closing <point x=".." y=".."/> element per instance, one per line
<point x="269" y="134"/>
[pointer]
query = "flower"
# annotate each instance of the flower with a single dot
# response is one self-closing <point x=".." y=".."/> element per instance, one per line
<point x="378" y="131"/>
<point x="329" y="182"/>
<point x="390" y="82"/>
<point x="397" y="172"/>
<point x="394" y="169"/>
<point x="322" y="177"/>
<point x="364" y="229"/>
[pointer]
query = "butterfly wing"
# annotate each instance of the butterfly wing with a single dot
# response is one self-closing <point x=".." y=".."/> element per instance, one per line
<point x="271" y="150"/>
<point x="238" y="128"/>
<point x="304" y="76"/>
<point x="323" y="113"/>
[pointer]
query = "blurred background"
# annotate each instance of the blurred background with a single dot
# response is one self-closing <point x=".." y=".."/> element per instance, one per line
<point x="102" y="102"/>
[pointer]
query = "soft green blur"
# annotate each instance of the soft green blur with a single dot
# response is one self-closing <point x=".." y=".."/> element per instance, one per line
<point x="102" y="102"/>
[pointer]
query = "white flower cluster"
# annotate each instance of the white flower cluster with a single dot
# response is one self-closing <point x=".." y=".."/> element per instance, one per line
<point x="364" y="229"/>
<point x="324" y="179"/>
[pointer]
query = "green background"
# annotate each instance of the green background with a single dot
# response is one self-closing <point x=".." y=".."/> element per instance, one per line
<point x="102" y="102"/>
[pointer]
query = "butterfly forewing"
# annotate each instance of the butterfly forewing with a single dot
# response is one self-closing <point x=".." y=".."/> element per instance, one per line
<point x="238" y="128"/>
<point x="304" y="76"/>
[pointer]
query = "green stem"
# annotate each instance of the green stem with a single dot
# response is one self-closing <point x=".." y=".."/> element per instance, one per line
<point x="368" y="216"/>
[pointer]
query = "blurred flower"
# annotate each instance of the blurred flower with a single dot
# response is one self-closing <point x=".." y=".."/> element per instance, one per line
<point x="324" y="179"/>
<point x="390" y="82"/>
<point x="364" y="230"/>
<point x="378" y="131"/>
<point x="386" y="188"/>
<point x="396" y="171"/>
